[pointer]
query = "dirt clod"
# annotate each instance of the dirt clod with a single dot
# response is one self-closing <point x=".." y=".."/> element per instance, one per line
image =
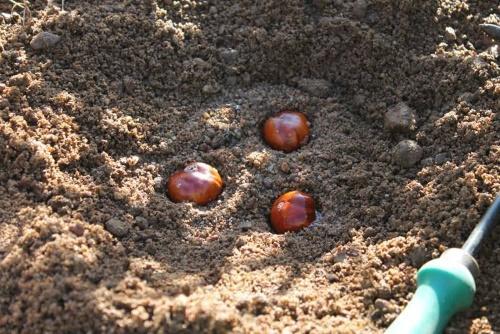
<point x="117" y="227"/>
<point x="20" y="80"/>
<point x="44" y="40"/>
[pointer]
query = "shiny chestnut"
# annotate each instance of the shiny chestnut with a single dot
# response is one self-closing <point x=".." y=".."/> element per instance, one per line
<point x="286" y="131"/>
<point x="197" y="182"/>
<point x="292" y="211"/>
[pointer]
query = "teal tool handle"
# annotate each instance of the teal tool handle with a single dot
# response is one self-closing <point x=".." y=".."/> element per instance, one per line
<point x="444" y="287"/>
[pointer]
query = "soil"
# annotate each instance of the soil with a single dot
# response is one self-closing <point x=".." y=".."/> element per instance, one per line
<point x="92" y="126"/>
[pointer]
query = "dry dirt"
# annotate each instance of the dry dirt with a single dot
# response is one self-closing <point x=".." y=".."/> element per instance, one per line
<point x="90" y="128"/>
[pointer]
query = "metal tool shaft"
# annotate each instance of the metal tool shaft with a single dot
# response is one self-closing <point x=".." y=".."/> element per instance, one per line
<point x="483" y="228"/>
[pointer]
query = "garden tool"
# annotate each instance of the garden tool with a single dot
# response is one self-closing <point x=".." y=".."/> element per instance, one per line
<point x="446" y="285"/>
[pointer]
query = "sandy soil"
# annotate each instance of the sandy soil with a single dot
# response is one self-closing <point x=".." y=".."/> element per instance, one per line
<point x="92" y="126"/>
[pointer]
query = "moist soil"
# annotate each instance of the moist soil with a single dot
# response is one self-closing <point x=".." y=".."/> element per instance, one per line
<point x="91" y="128"/>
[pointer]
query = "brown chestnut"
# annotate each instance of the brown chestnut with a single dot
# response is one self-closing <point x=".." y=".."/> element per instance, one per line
<point x="198" y="182"/>
<point x="292" y="211"/>
<point x="286" y="131"/>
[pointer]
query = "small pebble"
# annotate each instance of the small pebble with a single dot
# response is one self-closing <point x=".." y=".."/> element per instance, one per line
<point x="117" y="227"/>
<point x="449" y="34"/>
<point x="407" y="153"/>
<point x="44" y="40"/>
<point x="6" y="17"/>
<point x="400" y="118"/>
<point x="369" y="232"/>
<point x="418" y="256"/>
<point x="284" y="167"/>
<point x="77" y="229"/>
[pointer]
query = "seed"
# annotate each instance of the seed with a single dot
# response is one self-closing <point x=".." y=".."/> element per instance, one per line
<point x="286" y="131"/>
<point x="292" y="211"/>
<point x="198" y="182"/>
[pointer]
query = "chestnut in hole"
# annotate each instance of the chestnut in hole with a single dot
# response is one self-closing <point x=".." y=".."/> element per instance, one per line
<point x="197" y="182"/>
<point x="286" y="131"/>
<point x="292" y="211"/>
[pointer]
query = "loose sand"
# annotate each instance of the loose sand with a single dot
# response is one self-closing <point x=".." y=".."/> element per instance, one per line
<point x="90" y="129"/>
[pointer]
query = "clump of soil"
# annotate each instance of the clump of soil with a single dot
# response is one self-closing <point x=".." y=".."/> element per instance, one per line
<point x="92" y="125"/>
